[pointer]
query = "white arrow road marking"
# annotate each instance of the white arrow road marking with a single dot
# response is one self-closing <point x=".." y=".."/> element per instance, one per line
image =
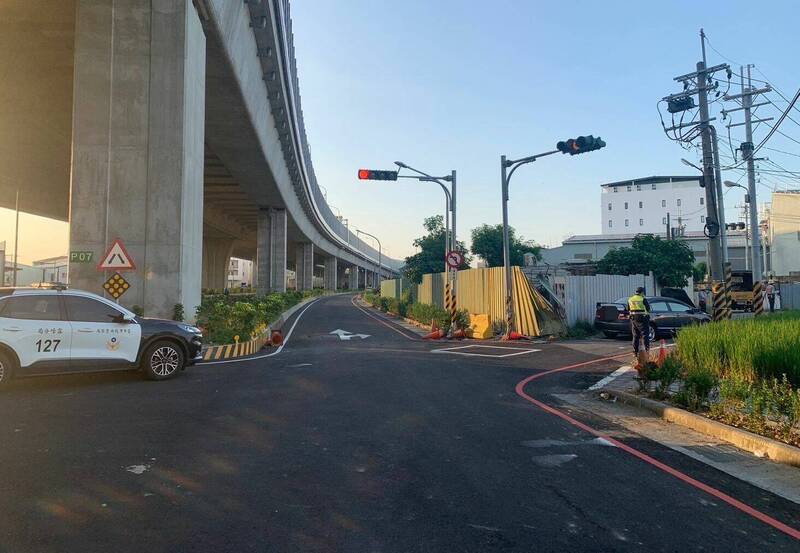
<point x="345" y="335"/>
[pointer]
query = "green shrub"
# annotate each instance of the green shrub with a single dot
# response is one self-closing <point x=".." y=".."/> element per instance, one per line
<point x="397" y="306"/>
<point x="581" y="330"/>
<point x="424" y="313"/>
<point x="667" y="373"/>
<point x="383" y="303"/>
<point x="138" y="310"/>
<point x="697" y="385"/>
<point x="177" y="312"/>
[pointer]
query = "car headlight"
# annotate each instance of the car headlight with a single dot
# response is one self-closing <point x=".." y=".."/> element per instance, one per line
<point x="191" y="329"/>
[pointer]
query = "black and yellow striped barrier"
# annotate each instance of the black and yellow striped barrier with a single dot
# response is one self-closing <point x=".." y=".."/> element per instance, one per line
<point x="758" y="298"/>
<point x="238" y="349"/>
<point x="728" y="279"/>
<point x="720" y="309"/>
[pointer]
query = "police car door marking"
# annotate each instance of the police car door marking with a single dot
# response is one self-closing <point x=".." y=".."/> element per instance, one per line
<point x="44" y="346"/>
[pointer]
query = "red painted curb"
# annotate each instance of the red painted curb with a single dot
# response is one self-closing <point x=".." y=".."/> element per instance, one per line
<point x="755" y="513"/>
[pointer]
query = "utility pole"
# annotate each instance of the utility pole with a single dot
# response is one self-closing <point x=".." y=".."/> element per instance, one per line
<point x="712" y="224"/>
<point x="698" y="83"/>
<point x="747" y="152"/>
<point x="720" y="198"/>
<point x="669" y="228"/>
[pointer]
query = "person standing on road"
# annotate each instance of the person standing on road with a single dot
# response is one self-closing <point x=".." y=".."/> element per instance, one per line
<point x="639" y="313"/>
<point x="771" y="295"/>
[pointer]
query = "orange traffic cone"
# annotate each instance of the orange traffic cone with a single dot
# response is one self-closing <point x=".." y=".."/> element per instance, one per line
<point x="662" y="354"/>
<point x="434" y="326"/>
<point x="458" y="334"/>
<point x="435" y="335"/>
<point x="513" y="335"/>
<point x="276" y="338"/>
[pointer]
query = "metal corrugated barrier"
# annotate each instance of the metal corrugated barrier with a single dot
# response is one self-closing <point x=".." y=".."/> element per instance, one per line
<point x="479" y="291"/>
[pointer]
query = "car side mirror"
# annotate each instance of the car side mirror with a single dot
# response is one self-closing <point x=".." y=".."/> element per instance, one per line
<point x="123" y="319"/>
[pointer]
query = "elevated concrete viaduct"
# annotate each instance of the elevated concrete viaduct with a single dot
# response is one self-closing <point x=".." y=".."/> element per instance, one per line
<point x="175" y="126"/>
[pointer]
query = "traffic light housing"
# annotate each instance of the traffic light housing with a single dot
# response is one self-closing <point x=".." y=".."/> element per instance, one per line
<point x="580" y="145"/>
<point x="735" y="226"/>
<point x="372" y="174"/>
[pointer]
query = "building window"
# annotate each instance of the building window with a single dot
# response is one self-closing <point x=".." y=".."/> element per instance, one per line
<point x="615" y="189"/>
<point x="629" y="188"/>
<point x="663" y="203"/>
<point x="663" y="220"/>
<point x="702" y="200"/>
<point x="640" y="205"/>
<point x="626" y="205"/>
<point x="638" y="187"/>
<point x="641" y="222"/>
<point x="626" y="222"/>
<point x="679" y="202"/>
<point x="609" y="223"/>
<point x="653" y="186"/>
<point x="702" y="218"/>
<point x="609" y="207"/>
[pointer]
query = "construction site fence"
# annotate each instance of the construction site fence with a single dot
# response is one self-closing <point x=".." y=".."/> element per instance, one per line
<point x="478" y="291"/>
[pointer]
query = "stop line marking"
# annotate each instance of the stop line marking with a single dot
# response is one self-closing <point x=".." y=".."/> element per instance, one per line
<point x="517" y="351"/>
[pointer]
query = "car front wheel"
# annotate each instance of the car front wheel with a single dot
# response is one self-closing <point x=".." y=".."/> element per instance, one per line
<point x="6" y="369"/>
<point x="162" y="360"/>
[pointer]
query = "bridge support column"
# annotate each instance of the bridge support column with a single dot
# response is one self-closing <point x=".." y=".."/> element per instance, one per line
<point x="331" y="275"/>
<point x="304" y="266"/>
<point x="353" y="278"/>
<point x="137" y="147"/>
<point x="216" y="262"/>
<point x="271" y="251"/>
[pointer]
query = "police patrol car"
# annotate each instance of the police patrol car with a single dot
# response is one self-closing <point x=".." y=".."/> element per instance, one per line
<point x="56" y="330"/>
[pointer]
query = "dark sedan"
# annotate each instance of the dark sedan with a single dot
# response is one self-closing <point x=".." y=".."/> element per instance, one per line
<point x="667" y="315"/>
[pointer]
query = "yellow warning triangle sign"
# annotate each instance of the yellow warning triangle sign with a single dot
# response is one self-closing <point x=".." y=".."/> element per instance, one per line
<point x="116" y="258"/>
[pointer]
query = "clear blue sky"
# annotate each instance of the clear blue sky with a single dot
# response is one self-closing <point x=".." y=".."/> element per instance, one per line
<point x="449" y="84"/>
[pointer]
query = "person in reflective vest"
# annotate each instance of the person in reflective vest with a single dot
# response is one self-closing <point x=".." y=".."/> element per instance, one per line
<point x="639" y="313"/>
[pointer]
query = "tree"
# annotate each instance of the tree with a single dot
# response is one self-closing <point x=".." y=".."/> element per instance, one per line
<point x="670" y="260"/>
<point x="487" y="243"/>
<point x="430" y="258"/>
<point x="699" y="271"/>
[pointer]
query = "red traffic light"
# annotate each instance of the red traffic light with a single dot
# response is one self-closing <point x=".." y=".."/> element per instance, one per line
<point x="371" y="174"/>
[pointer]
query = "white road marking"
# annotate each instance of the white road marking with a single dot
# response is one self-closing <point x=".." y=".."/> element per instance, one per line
<point x="277" y="351"/>
<point x="608" y="379"/>
<point x="452" y="351"/>
<point x="138" y="469"/>
<point x="346" y="335"/>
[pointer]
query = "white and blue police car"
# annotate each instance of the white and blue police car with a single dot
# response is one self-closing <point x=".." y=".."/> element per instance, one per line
<point x="55" y="330"/>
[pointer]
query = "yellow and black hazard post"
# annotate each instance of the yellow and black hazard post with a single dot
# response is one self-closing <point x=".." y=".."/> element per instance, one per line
<point x="728" y="285"/>
<point x="720" y="301"/>
<point x="758" y="298"/>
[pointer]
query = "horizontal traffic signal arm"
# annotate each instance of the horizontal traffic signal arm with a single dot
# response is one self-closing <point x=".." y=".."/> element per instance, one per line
<point x="372" y="174"/>
<point x="580" y="145"/>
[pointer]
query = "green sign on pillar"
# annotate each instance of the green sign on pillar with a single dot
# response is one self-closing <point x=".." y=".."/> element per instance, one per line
<point x="81" y="257"/>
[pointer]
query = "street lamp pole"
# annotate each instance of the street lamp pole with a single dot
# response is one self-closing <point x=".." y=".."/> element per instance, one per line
<point x="380" y="255"/>
<point x="505" y="177"/>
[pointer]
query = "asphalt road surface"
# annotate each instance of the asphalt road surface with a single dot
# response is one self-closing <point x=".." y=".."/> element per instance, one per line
<point x="376" y="444"/>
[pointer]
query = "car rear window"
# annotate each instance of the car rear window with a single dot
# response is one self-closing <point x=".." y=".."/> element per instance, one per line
<point x="37" y="307"/>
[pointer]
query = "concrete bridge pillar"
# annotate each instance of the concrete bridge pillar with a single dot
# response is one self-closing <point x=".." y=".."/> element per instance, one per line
<point x="353" y="278"/>
<point x="271" y="251"/>
<point x="304" y="265"/>
<point x="137" y="149"/>
<point x="331" y="275"/>
<point x="216" y="262"/>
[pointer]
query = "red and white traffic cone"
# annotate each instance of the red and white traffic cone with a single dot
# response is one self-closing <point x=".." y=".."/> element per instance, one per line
<point x="276" y="338"/>
<point x="435" y="335"/>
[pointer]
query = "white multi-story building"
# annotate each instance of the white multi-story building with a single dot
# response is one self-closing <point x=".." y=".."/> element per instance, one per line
<point x="641" y="206"/>
<point x="240" y="273"/>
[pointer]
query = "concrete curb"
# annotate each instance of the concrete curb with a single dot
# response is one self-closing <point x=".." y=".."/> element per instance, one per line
<point x="761" y="446"/>
<point x="419" y="328"/>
